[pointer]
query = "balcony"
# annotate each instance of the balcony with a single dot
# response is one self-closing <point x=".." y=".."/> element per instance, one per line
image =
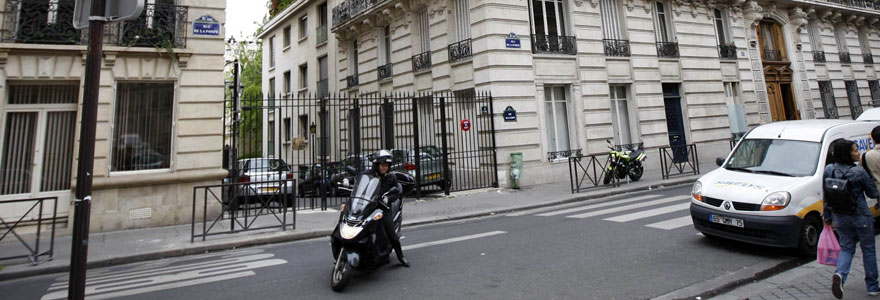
<point x="867" y="4"/>
<point x="421" y="61"/>
<point x="460" y="50"/>
<point x="868" y="58"/>
<point x="323" y="88"/>
<point x="819" y="57"/>
<point x="554" y="44"/>
<point x="321" y="34"/>
<point x="349" y="9"/>
<point x="727" y="51"/>
<point x="773" y="55"/>
<point x="351" y="81"/>
<point x="845" y="58"/>
<point x="50" y="22"/>
<point x="618" y="48"/>
<point x="384" y="71"/>
<point x="667" y="50"/>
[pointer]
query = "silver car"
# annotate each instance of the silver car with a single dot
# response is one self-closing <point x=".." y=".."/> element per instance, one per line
<point x="430" y="161"/>
<point x="264" y="178"/>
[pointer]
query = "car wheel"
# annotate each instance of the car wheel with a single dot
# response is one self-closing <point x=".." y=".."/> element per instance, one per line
<point x="809" y="236"/>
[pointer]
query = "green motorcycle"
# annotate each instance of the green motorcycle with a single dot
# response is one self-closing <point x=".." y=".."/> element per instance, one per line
<point x="623" y="163"/>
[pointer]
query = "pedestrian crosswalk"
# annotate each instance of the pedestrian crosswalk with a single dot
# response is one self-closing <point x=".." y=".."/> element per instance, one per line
<point x="633" y="209"/>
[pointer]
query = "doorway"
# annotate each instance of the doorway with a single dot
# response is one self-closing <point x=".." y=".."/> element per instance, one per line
<point x="675" y="122"/>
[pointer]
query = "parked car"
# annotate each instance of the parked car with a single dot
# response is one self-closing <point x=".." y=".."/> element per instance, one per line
<point x="430" y="161"/>
<point x="261" y="179"/>
<point x="313" y="177"/>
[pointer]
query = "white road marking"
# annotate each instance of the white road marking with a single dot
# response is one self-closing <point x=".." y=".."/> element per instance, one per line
<point x="453" y="240"/>
<point x="673" y="224"/>
<point x="600" y="205"/>
<point x="650" y="213"/>
<point x="142" y="290"/>
<point x="626" y="207"/>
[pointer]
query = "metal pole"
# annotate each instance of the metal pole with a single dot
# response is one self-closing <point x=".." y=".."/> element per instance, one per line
<point x="445" y="145"/>
<point x="418" y="160"/>
<point x="85" y="166"/>
<point x="494" y="146"/>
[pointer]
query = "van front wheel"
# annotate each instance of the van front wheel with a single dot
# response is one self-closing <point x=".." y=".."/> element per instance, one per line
<point x="809" y="236"/>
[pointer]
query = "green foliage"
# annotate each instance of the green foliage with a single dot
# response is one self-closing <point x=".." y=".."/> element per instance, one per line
<point x="278" y="6"/>
<point x="250" y="58"/>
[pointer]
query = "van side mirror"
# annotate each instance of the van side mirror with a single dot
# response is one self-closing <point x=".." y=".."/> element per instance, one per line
<point x="719" y="161"/>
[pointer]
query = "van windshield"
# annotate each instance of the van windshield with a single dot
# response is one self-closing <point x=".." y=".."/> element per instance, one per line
<point x="775" y="157"/>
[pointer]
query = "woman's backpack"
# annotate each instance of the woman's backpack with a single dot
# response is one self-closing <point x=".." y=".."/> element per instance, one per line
<point x="838" y="193"/>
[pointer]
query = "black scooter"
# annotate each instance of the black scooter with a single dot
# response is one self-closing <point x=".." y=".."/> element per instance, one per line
<point x="358" y="242"/>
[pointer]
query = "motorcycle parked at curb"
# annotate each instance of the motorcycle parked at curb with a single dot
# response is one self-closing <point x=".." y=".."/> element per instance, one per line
<point x="623" y="163"/>
<point x="358" y="242"/>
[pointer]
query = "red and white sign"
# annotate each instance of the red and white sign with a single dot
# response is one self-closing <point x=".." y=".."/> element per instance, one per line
<point x="465" y="125"/>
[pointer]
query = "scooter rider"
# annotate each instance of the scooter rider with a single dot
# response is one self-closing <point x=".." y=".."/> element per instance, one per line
<point x="381" y="167"/>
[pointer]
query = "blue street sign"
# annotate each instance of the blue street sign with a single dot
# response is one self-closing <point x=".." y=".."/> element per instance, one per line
<point x="206" y="26"/>
<point x="512" y="41"/>
<point x="509" y="114"/>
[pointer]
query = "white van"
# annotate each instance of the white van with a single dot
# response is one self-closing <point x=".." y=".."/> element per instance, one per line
<point x="769" y="189"/>
<point x="870" y="115"/>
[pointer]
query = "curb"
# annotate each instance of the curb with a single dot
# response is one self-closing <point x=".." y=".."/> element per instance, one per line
<point x="305" y="235"/>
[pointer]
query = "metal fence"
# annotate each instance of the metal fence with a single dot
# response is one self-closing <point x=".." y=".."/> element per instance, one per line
<point x="446" y="141"/>
<point x="244" y="206"/>
<point x="38" y="216"/>
<point x="588" y="172"/>
<point x="679" y="160"/>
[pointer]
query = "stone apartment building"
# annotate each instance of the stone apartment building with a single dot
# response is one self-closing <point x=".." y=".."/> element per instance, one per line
<point x="580" y="72"/>
<point x="159" y="130"/>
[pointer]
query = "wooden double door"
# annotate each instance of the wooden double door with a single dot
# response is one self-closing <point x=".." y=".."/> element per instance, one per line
<point x="780" y="93"/>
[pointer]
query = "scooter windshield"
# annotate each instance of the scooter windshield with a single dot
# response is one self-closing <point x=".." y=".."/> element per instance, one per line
<point x="365" y="191"/>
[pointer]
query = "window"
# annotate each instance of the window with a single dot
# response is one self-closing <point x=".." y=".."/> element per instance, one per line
<point x="323" y="87"/>
<point x="462" y="20"/>
<point x="286" y="83"/>
<point x="322" y="23"/>
<point x="842" y="46"/>
<point x="272" y="52"/>
<point x="874" y="86"/>
<point x="303" y="27"/>
<point x="385" y="45"/>
<point x="866" y="47"/>
<point x="855" y="101"/>
<point x="285" y="36"/>
<point x="663" y="23"/>
<point x="815" y="36"/>
<point x="424" y="32"/>
<point x="556" y="115"/>
<point x="142" y="126"/>
<point x="828" y="104"/>
<point x="771" y="41"/>
<point x="304" y="126"/>
<point x="612" y="20"/>
<point x="548" y="17"/>
<point x="270" y="148"/>
<point x="722" y="33"/>
<point x="353" y="59"/>
<point x="620" y="116"/>
<point x="736" y="112"/>
<point x="287" y="133"/>
<point x="303" y="76"/>
<point x="271" y="94"/>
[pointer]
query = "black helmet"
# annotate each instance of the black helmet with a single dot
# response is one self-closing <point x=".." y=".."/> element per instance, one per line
<point x="381" y="156"/>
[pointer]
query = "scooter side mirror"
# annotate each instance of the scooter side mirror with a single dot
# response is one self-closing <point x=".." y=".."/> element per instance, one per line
<point x="719" y="161"/>
<point x="351" y="170"/>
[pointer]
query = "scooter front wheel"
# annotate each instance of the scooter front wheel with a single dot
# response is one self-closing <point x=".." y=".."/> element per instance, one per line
<point x="342" y="273"/>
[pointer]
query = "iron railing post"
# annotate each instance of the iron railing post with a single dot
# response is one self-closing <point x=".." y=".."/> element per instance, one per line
<point x="445" y="145"/>
<point x="324" y="139"/>
<point x="416" y="148"/>
<point x="494" y="146"/>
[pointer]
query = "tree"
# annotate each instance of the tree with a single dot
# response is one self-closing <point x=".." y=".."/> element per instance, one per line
<point x="250" y="59"/>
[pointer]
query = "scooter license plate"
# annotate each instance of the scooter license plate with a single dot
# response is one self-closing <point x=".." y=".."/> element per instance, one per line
<point x="727" y="221"/>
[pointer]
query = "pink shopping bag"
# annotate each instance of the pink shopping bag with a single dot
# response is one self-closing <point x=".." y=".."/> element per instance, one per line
<point x="828" y="249"/>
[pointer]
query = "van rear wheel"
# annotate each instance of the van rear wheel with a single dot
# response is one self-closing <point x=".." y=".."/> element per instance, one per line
<point x="809" y="236"/>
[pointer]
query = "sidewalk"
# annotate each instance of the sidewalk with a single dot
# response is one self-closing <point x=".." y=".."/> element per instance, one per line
<point x="121" y="247"/>
<point x="810" y="281"/>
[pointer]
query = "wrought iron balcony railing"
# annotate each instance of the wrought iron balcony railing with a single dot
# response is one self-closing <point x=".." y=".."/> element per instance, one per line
<point x="727" y="52"/>
<point x="349" y="9"/>
<point x="323" y="88"/>
<point x="819" y="56"/>
<point x="321" y="34"/>
<point x="50" y="22"/>
<point x="554" y="44"/>
<point x="421" y="61"/>
<point x="384" y="71"/>
<point x="352" y="80"/>
<point x="667" y="49"/>
<point x="845" y="58"/>
<point x="868" y="4"/>
<point x="868" y="58"/>
<point x="772" y="55"/>
<point x="618" y="48"/>
<point x="460" y="50"/>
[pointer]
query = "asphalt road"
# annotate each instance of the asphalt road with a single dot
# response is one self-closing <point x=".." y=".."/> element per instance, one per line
<point x="630" y="247"/>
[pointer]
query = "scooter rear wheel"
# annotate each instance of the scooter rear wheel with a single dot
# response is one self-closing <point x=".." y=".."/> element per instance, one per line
<point x="636" y="173"/>
<point x="342" y="273"/>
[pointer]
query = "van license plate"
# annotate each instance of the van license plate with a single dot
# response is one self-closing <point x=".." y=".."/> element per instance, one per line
<point x="727" y="221"/>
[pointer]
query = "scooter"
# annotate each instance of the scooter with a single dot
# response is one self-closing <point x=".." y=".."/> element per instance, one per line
<point x="358" y="242"/>
<point x="622" y="163"/>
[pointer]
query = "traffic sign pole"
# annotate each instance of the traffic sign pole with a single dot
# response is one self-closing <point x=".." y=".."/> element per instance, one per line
<point x="82" y="203"/>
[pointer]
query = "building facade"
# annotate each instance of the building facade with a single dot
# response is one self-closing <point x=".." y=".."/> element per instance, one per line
<point x="159" y="127"/>
<point x="582" y="72"/>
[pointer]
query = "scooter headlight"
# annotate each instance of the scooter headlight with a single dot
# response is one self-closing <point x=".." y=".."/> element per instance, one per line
<point x="776" y="201"/>
<point x="349" y="232"/>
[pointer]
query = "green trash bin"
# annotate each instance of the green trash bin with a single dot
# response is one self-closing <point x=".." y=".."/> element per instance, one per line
<point x="516" y="164"/>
